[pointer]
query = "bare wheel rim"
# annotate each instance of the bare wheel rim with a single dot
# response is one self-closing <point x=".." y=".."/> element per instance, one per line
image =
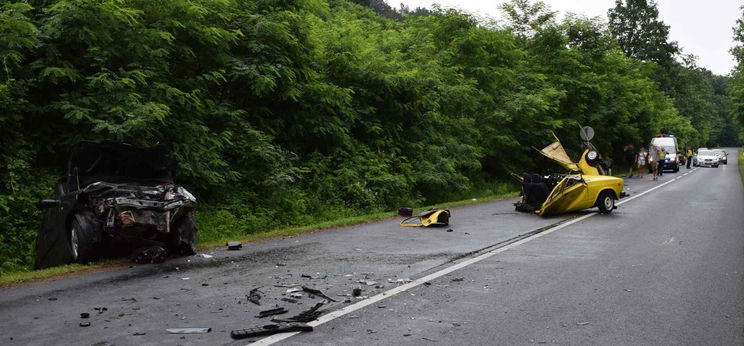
<point x="74" y="243"/>
<point x="608" y="202"/>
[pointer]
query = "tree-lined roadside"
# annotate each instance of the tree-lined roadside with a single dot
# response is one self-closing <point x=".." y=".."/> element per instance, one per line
<point x="288" y="113"/>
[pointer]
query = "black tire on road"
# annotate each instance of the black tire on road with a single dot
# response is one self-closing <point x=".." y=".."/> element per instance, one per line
<point x="606" y="202"/>
<point x="82" y="240"/>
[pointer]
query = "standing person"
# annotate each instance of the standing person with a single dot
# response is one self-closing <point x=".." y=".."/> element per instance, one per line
<point x="641" y="161"/>
<point x="653" y="159"/>
<point x="630" y="158"/>
<point x="689" y="156"/>
<point x="662" y="156"/>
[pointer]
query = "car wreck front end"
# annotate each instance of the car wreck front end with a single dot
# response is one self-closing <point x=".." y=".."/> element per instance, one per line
<point x="116" y="200"/>
<point x="137" y="216"/>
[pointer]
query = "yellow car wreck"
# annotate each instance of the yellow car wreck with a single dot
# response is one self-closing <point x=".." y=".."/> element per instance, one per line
<point x="585" y="186"/>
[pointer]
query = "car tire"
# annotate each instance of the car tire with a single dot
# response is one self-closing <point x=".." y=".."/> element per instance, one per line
<point x="183" y="237"/>
<point x="606" y="202"/>
<point x="82" y="235"/>
<point x="715" y="166"/>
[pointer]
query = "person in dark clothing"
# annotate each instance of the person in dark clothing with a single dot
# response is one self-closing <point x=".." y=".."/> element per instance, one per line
<point x="630" y="158"/>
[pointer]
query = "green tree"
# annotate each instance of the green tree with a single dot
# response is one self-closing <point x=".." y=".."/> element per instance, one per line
<point x="636" y="26"/>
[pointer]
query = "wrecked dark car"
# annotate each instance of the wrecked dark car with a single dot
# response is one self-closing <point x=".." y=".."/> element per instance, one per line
<point x="115" y="200"/>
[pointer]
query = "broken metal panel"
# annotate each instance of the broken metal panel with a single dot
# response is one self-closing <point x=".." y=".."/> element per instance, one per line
<point x="557" y="153"/>
<point x="198" y="330"/>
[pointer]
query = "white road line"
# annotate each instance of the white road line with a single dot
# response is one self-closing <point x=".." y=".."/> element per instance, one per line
<point x="405" y="287"/>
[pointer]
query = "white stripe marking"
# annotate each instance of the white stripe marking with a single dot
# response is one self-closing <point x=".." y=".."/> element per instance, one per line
<point x="405" y="287"/>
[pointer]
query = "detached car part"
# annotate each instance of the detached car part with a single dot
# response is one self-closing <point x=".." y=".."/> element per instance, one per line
<point x="116" y="198"/>
<point x="433" y="217"/>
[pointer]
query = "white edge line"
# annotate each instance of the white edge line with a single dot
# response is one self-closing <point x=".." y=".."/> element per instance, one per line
<point x="405" y="287"/>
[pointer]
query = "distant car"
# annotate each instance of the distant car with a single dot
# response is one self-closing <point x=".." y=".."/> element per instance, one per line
<point x="722" y="156"/>
<point x="706" y="158"/>
<point x="116" y="198"/>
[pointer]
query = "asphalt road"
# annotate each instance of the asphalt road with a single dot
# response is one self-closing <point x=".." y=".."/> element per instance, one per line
<point x="664" y="268"/>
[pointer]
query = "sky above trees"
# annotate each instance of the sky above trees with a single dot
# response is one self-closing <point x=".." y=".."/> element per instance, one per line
<point x="703" y="29"/>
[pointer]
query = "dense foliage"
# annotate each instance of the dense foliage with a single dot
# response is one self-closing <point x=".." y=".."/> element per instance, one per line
<point x="288" y="112"/>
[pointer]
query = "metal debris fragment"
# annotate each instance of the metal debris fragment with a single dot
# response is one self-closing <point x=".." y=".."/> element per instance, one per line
<point x="254" y="296"/>
<point x="272" y="312"/>
<point x="234" y="245"/>
<point x="197" y="330"/>
<point x="305" y="316"/>
<point x="270" y="329"/>
<point x="317" y="293"/>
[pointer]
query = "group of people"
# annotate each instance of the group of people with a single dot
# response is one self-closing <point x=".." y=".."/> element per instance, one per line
<point x="654" y="159"/>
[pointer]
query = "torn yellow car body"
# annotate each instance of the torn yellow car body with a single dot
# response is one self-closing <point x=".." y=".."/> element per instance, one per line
<point x="584" y="187"/>
<point x="433" y="217"/>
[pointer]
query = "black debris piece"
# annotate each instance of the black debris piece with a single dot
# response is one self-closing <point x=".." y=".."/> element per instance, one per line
<point x="205" y="284"/>
<point x="305" y="316"/>
<point x="317" y="293"/>
<point x="139" y="333"/>
<point x="84" y="315"/>
<point x="450" y="230"/>
<point x="356" y="292"/>
<point x="458" y="279"/>
<point x="85" y="324"/>
<point x="52" y="298"/>
<point x="405" y="211"/>
<point x="154" y="254"/>
<point x="272" y="312"/>
<point x="234" y="245"/>
<point x="254" y="296"/>
<point x="289" y="300"/>
<point x="270" y="329"/>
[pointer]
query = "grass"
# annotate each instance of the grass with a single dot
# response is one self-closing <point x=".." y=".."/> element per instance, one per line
<point x="19" y="277"/>
<point x="741" y="165"/>
<point x="8" y="279"/>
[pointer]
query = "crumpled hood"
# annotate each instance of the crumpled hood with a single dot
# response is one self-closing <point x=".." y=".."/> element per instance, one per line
<point x="110" y="161"/>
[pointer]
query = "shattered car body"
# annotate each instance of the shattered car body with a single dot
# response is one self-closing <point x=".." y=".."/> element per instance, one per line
<point x="585" y="186"/>
<point x="115" y="198"/>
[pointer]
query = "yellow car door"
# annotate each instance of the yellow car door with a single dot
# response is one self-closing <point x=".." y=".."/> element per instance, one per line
<point x="570" y="194"/>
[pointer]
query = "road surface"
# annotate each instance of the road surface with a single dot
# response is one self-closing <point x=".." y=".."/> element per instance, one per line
<point x="667" y="267"/>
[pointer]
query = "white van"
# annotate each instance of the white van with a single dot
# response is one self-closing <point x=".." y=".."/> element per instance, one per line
<point x="669" y="143"/>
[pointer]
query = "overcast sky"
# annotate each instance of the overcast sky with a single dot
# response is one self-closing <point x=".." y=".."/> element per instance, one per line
<point x="702" y="28"/>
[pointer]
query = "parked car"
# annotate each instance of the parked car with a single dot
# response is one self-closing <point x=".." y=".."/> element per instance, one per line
<point x="706" y="157"/>
<point x="722" y="156"/>
<point x="115" y="198"/>
<point x="584" y="186"/>
<point x="668" y="143"/>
